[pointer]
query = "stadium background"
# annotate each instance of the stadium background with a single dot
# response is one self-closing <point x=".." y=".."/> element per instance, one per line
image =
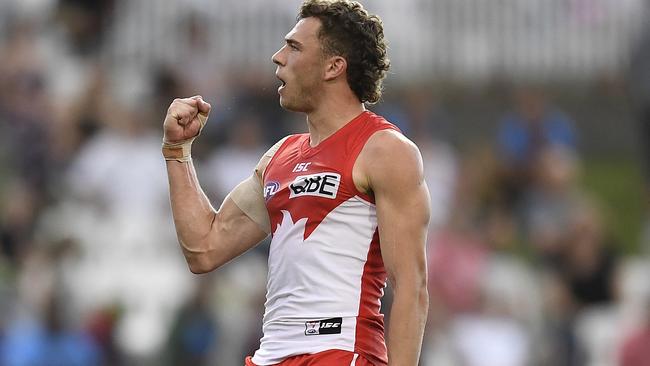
<point x="539" y="242"/>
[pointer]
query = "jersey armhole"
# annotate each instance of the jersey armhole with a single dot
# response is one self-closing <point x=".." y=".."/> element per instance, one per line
<point x="354" y="156"/>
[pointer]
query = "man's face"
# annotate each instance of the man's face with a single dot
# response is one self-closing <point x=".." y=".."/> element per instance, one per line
<point x="301" y="67"/>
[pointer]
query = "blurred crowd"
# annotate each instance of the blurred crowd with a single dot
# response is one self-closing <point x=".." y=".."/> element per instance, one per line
<point x="523" y="269"/>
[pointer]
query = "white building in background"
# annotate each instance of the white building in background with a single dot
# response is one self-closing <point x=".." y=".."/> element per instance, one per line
<point x="451" y="40"/>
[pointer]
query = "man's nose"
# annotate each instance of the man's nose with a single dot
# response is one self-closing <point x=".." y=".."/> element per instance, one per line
<point x="276" y="57"/>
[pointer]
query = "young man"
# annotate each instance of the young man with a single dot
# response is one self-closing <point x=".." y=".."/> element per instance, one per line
<point x="346" y="204"/>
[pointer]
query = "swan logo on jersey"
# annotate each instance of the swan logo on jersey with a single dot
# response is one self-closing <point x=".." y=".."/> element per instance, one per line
<point x="325" y="326"/>
<point x="323" y="184"/>
<point x="270" y="188"/>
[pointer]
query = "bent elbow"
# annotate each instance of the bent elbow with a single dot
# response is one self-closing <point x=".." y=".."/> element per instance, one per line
<point x="199" y="256"/>
<point x="199" y="264"/>
<point x="198" y="268"/>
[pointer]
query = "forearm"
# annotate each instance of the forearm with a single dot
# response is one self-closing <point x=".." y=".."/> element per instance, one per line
<point x="407" y="320"/>
<point x="192" y="211"/>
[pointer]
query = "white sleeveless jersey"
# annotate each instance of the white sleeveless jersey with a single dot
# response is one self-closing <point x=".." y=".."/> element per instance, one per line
<point x="326" y="275"/>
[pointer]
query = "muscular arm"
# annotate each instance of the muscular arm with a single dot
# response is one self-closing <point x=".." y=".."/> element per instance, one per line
<point x="391" y="167"/>
<point x="208" y="237"/>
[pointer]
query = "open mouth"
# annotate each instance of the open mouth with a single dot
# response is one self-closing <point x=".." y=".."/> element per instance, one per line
<point x="282" y="85"/>
<point x="281" y="80"/>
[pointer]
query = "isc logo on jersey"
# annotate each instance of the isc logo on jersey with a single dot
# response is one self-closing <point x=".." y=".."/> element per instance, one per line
<point x="324" y="185"/>
<point x="325" y="326"/>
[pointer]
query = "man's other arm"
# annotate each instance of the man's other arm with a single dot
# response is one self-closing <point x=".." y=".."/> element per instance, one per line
<point x="392" y="166"/>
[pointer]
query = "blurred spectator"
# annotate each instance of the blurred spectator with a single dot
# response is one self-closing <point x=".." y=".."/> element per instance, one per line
<point x="560" y="345"/>
<point x="168" y="84"/>
<point x="457" y="259"/>
<point x="25" y="113"/>
<point x="466" y="280"/>
<point x="456" y="264"/>
<point x="635" y="350"/>
<point x="550" y="200"/>
<point x="201" y="70"/>
<point x="430" y="127"/>
<point x="117" y="168"/>
<point x="114" y="201"/>
<point x="457" y="252"/>
<point x="533" y="125"/>
<point x="101" y="327"/>
<point x="79" y="119"/>
<point x="580" y="290"/>
<point x="194" y="334"/>
<point x="236" y="295"/>
<point x="499" y="228"/>
<point x="486" y="339"/>
<point x="254" y="94"/>
<point x="84" y="23"/>
<point x="48" y="340"/>
<point x="588" y="264"/>
<point x="45" y="329"/>
<point x="20" y="210"/>
<point x="498" y="330"/>
<point x="235" y="159"/>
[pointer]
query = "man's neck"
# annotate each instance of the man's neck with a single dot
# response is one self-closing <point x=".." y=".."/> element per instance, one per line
<point x="330" y="117"/>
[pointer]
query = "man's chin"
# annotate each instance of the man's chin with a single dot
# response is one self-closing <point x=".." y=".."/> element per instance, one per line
<point x="290" y="106"/>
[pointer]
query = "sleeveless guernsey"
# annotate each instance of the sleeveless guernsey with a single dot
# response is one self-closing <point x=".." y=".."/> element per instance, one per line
<point x="326" y="275"/>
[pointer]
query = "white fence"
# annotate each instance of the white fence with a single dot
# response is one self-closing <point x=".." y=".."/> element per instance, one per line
<point x="452" y="40"/>
<point x="473" y="40"/>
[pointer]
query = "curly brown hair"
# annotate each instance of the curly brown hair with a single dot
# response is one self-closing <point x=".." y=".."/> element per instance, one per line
<point x="348" y="30"/>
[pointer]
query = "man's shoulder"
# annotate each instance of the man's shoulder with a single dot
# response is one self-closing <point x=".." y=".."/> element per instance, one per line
<point x="388" y="153"/>
<point x="388" y="142"/>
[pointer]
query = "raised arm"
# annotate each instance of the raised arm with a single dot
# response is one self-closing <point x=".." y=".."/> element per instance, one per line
<point x="390" y="166"/>
<point x="208" y="237"/>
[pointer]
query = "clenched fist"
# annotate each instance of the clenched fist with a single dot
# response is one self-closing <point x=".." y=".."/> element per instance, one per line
<point x="185" y="118"/>
<point x="183" y="123"/>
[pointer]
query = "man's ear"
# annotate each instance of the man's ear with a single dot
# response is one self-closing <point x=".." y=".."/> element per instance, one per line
<point x="335" y="67"/>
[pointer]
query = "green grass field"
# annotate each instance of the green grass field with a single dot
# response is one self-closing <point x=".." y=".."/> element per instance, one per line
<point x="618" y="185"/>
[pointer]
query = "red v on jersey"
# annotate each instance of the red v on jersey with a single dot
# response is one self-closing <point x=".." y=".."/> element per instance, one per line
<point x="311" y="182"/>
